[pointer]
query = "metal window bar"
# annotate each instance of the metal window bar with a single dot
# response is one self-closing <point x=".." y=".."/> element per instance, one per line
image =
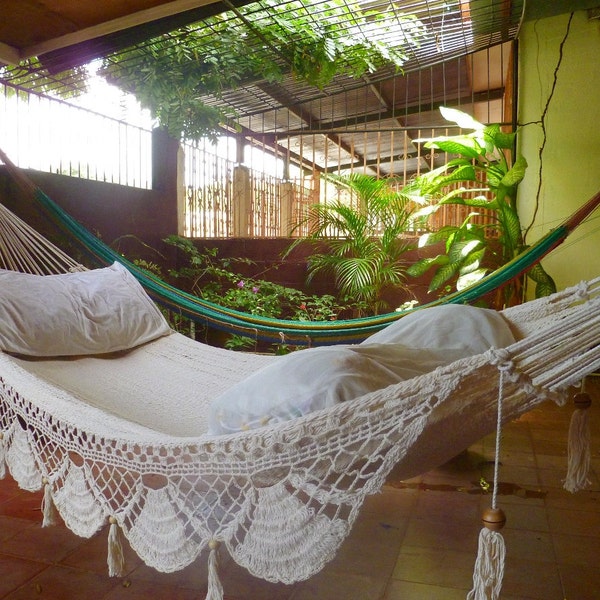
<point x="48" y="134"/>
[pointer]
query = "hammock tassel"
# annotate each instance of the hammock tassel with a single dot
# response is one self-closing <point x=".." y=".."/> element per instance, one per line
<point x="116" y="558"/>
<point x="489" y="565"/>
<point x="215" y="589"/>
<point x="49" y="512"/>
<point x="578" y="461"/>
<point x="2" y="456"/>
<point x="491" y="552"/>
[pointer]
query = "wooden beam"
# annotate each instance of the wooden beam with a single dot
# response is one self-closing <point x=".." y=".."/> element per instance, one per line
<point x="141" y="17"/>
<point x="9" y="55"/>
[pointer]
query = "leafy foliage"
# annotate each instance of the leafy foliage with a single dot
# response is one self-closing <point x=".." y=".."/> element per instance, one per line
<point x="215" y="279"/>
<point x="70" y="83"/>
<point x="267" y="40"/>
<point x="365" y="245"/>
<point x="481" y="177"/>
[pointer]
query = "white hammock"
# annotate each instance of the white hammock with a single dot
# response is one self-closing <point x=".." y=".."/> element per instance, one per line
<point x="99" y="433"/>
<point x="120" y="438"/>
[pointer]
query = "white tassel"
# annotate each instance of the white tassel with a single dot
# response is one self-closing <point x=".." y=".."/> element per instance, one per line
<point x="115" y="558"/>
<point x="215" y="589"/>
<point x="491" y="553"/>
<point x="2" y="456"/>
<point x="579" y="456"/>
<point x="49" y="512"/>
<point x="489" y="565"/>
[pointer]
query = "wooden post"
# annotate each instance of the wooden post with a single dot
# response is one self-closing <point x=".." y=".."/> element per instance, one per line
<point x="286" y="199"/>
<point x="242" y="201"/>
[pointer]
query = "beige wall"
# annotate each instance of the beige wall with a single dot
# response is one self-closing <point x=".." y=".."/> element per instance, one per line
<point x="570" y="161"/>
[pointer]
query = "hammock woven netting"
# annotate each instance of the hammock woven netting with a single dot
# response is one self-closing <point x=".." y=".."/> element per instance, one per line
<point x="281" y="498"/>
<point x="121" y="438"/>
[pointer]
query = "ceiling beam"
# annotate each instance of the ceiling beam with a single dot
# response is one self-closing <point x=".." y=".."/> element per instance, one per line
<point x="9" y="55"/>
<point x="115" y="25"/>
<point x="309" y="118"/>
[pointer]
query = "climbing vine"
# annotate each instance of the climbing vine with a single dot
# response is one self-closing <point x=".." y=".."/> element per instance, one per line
<point x="172" y="75"/>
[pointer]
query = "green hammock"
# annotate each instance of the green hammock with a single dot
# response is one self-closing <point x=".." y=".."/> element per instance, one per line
<point x="309" y="333"/>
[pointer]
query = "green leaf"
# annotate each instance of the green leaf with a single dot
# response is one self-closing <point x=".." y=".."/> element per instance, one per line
<point x="422" y="266"/>
<point x="511" y="226"/>
<point x="427" y="239"/>
<point x="462" y="249"/>
<point x="463" y="145"/>
<point x="472" y="261"/>
<point x="516" y="173"/>
<point x="470" y="278"/>
<point x="442" y="275"/>
<point x="499" y="138"/>
<point x="463" y="120"/>
<point x="545" y="285"/>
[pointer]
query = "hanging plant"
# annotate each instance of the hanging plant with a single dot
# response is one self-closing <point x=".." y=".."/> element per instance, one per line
<point x="178" y="76"/>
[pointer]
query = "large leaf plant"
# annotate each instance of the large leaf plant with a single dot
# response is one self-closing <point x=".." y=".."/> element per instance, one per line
<point x="480" y="177"/>
<point x="362" y="244"/>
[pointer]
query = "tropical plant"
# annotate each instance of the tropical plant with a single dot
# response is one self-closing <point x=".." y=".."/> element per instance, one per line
<point x="480" y="177"/>
<point x="363" y="245"/>
<point x="215" y="279"/>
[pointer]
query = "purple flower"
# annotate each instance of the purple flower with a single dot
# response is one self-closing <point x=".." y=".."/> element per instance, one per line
<point x="255" y="290"/>
<point x="240" y="284"/>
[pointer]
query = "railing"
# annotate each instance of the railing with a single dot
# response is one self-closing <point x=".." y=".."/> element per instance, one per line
<point x="47" y="134"/>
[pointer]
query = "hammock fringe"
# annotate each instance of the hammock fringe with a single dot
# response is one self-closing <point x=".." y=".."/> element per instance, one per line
<point x="489" y="566"/>
<point x="115" y="558"/>
<point x="579" y="454"/>
<point x="49" y="512"/>
<point x="215" y="589"/>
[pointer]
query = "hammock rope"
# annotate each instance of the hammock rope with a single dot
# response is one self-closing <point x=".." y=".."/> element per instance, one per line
<point x="301" y="333"/>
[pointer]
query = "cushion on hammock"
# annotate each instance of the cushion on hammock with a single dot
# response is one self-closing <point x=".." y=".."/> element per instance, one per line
<point x="469" y="328"/>
<point x="90" y="312"/>
<point x="309" y="380"/>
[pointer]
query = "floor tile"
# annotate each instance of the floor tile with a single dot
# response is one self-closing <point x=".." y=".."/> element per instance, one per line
<point x="15" y="572"/>
<point x="56" y="582"/>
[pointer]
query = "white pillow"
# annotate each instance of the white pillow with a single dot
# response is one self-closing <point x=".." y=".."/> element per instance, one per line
<point x="309" y="380"/>
<point x="460" y="326"/>
<point x="89" y="312"/>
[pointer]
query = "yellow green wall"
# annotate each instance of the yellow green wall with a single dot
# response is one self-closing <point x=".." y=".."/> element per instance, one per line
<point x="570" y="161"/>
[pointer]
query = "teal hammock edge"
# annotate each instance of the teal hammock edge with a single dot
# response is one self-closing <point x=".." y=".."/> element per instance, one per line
<point x="309" y="333"/>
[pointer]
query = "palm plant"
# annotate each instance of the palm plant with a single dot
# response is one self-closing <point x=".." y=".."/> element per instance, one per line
<point x="364" y="244"/>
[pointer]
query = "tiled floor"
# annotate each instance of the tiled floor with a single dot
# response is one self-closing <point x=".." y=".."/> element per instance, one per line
<point x="417" y="540"/>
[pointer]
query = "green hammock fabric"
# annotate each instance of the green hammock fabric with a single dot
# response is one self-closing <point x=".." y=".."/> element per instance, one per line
<point x="310" y="333"/>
